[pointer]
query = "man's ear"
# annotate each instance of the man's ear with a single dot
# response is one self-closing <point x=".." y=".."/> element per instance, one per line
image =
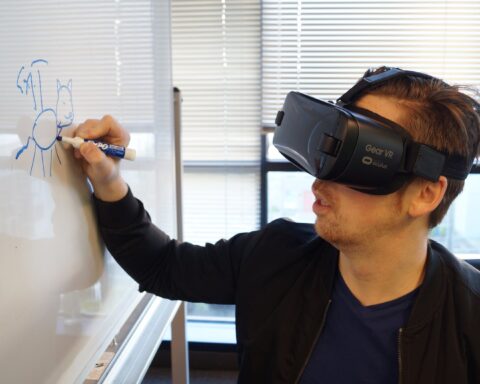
<point x="427" y="195"/>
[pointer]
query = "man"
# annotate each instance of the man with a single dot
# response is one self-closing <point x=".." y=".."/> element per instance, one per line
<point x="364" y="296"/>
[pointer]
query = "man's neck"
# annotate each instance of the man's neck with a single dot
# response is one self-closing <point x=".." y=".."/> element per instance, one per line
<point x="385" y="268"/>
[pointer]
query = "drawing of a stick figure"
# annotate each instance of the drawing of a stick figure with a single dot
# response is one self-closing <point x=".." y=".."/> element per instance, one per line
<point x="48" y="123"/>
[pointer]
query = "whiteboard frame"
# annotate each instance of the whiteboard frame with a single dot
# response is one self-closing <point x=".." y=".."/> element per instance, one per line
<point x="132" y="361"/>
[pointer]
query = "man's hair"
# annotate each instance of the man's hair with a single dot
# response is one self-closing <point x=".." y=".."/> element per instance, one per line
<point x="440" y="116"/>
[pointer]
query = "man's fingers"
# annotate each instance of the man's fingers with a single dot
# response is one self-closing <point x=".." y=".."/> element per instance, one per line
<point x="102" y="170"/>
<point x="87" y="129"/>
<point x="107" y="127"/>
<point x="115" y="133"/>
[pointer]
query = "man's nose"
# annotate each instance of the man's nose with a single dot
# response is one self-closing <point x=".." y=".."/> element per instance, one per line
<point x="317" y="184"/>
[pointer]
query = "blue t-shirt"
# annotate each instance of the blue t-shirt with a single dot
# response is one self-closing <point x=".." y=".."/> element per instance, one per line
<point x="358" y="344"/>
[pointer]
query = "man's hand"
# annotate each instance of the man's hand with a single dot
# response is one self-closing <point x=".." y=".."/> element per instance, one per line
<point x="103" y="171"/>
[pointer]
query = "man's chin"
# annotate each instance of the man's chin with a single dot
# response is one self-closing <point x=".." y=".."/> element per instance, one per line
<point x="332" y="234"/>
<point x="327" y="232"/>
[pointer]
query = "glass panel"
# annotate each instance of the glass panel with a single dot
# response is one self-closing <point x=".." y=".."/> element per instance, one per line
<point x="289" y="195"/>
<point x="272" y="152"/>
<point x="219" y="203"/>
<point x="216" y="56"/>
<point x="459" y="231"/>
<point x="210" y="311"/>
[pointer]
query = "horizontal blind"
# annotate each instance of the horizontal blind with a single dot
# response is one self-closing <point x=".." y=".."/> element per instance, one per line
<point x="216" y="65"/>
<point x="216" y="55"/>
<point x="323" y="47"/>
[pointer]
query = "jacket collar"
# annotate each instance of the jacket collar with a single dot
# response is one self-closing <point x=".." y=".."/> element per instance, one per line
<point x="430" y="294"/>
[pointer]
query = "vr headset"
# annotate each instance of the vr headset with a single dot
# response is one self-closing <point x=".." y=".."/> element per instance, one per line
<point x="356" y="147"/>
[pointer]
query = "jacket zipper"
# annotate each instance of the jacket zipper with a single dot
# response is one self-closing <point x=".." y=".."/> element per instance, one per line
<point x="400" y="367"/>
<point x="315" y="341"/>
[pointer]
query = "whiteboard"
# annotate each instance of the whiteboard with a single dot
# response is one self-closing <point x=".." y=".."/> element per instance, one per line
<point x="62" y="297"/>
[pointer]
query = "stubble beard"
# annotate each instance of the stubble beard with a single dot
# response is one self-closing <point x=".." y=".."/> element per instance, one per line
<point x="341" y="232"/>
<point x="336" y="234"/>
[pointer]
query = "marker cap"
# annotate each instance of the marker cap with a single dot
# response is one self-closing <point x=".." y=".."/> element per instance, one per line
<point x="130" y="154"/>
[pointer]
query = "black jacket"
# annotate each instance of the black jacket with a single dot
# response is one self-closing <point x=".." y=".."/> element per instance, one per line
<point x="280" y="279"/>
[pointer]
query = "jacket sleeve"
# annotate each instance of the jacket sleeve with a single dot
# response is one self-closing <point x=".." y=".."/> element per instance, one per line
<point x="165" y="267"/>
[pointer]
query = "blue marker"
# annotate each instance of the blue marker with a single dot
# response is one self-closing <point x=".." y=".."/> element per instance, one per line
<point x="108" y="149"/>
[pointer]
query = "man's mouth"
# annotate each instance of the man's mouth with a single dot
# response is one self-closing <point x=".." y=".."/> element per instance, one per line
<point x="323" y="202"/>
<point x="320" y="205"/>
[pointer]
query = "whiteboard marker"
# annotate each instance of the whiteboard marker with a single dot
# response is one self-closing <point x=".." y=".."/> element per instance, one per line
<point x="108" y="149"/>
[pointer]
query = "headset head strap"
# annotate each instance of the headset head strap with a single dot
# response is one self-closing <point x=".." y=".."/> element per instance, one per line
<point x="374" y="80"/>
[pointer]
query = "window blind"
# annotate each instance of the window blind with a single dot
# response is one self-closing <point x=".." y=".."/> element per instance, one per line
<point x="323" y="47"/>
<point x="216" y="50"/>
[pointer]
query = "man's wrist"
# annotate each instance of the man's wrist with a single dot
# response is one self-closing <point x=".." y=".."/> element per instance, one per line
<point x="117" y="214"/>
<point x="112" y="191"/>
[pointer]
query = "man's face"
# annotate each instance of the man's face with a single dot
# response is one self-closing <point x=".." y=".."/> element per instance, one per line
<point x="346" y="217"/>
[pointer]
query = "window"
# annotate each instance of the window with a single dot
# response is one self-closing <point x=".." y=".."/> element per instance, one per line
<point x="321" y="48"/>
<point x="235" y="60"/>
<point x="216" y="49"/>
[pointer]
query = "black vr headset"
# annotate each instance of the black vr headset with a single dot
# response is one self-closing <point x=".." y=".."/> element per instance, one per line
<point x="356" y="147"/>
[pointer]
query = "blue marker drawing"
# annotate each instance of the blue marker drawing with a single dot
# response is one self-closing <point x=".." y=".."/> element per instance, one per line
<point x="49" y="122"/>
